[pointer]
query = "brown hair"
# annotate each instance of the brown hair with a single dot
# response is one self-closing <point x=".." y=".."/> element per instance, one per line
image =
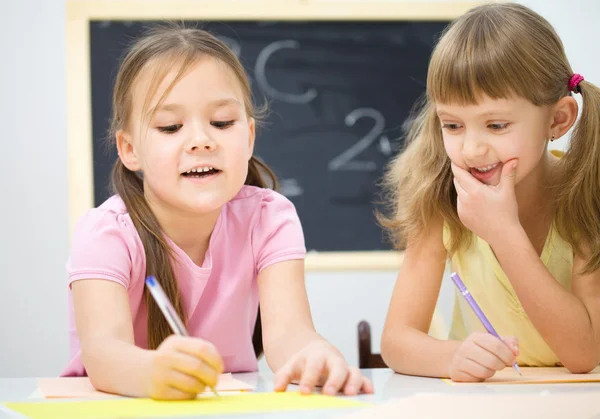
<point x="157" y="50"/>
<point x="501" y="50"/>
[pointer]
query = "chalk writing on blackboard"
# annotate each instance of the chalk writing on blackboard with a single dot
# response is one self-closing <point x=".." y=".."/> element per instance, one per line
<point x="344" y="160"/>
<point x="261" y="77"/>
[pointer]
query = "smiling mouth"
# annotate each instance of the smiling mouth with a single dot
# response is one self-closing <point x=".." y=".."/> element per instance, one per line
<point x="486" y="169"/>
<point x="201" y="172"/>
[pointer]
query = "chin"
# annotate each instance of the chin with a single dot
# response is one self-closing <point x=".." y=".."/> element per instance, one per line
<point x="204" y="206"/>
<point x="208" y="201"/>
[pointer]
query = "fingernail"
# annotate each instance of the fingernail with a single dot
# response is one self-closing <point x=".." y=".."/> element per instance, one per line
<point x="351" y="389"/>
<point x="331" y="390"/>
<point x="305" y="389"/>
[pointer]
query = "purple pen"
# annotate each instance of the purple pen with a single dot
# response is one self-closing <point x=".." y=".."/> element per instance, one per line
<point x="486" y="323"/>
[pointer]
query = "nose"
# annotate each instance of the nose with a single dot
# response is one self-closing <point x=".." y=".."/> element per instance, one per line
<point x="201" y="140"/>
<point x="473" y="146"/>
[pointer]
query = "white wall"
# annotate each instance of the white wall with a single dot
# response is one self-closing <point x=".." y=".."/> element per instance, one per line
<point x="33" y="172"/>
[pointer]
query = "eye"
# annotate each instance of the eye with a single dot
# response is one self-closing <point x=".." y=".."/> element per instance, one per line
<point x="498" y="127"/>
<point x="451" y="127"/>
<point x="170" y="129"/>
<point x="221" y="124"/>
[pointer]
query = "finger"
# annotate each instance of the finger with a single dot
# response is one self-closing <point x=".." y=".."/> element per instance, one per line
<point x="495" y="346"/>
<point x="476" y="369"/>
<point x="203" y="350"/>
<point x="367" y="386"/>
<point x="185" y="383"/>
<point x="484" y="357"/>
<point x="509" y="174"/>
<point x="513" y="344"/>
<point x="289" y="372"/>
<point x="464" y="377"/>
<point x="353" y="383"/>
<point x="312" y="372"/>
<point x="337" y="377"/>
<point x="195" y="367"/>
<point x="467" y="181"/>
<point x="460" y="191"/>
<point x="171" y="393"/>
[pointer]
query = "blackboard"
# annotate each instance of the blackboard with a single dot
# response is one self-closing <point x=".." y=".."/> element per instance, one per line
<point x="338" y="92"/>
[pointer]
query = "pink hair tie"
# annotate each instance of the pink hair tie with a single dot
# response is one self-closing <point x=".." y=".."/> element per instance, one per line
<point x="574" y="83"/>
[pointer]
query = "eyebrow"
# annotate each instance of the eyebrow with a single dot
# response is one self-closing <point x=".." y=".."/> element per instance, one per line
<point x="483" y="114"/>
<point x="495" y="112"/>
<point x="165" y="107"/>
<point x="215" y="104"/>
<point x="442" y="113"/>
<point x="169" y="107"/>
<point x="228" y="101"/>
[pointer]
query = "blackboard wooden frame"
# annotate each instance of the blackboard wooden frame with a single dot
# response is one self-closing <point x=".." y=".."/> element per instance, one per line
<point x="79" y="114"/>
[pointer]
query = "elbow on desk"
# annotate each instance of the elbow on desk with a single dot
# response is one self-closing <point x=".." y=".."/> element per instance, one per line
<point x="95" y="372"/>
<point x="581" y="366"/>
<point x="100" y="384"/>
<point x="583" y="361"/>
<point x="390" y="352"/>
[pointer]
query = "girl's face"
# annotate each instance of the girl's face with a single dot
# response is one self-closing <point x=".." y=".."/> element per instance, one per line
<point x="481" y="138"/>
<point x="195" y="148"/>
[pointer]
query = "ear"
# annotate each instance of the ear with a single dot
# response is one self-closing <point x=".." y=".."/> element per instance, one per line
<point x="564" y="115"/>
<point x="251" y="135"/>
<point x="127" y="152"/>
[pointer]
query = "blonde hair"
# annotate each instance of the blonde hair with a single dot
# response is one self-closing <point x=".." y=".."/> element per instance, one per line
<point x="501" y="50"/>
<point x="159" y="51"/>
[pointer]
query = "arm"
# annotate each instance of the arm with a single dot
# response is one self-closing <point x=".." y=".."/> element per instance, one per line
<point x="294" y="350"/>
<point x="287" y="322"/>
<point x="405" y="345"/>
<point x="568" y="322"/>
<point x="178" y="369"/>
<point x="99" y="271"/>
<point x="103" y="318"/>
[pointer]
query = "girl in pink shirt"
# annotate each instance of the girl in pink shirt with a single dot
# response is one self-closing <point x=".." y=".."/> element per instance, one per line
<point x="191" y="208"/>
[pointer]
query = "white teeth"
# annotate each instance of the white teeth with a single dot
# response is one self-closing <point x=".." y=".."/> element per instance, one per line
<point x="200" y="169"/>
<point x="486" y="169"/>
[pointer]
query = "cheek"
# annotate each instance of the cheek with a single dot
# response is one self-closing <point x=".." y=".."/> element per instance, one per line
<point x="523" y="147"/>
<point x="240" y="157"/>
<point x="453" y="149"/>
<point x="238" y="145"/>
<point x="159" y="158"/>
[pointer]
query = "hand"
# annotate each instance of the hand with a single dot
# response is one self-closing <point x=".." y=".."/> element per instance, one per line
<point x="182" y="367"/>
<point x="488" y="211"/>
<point x="481" y="355"/>
<point x="320" y="364"/>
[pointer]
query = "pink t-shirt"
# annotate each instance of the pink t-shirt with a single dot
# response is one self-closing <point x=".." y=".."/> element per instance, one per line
<point x="257" y="228"/>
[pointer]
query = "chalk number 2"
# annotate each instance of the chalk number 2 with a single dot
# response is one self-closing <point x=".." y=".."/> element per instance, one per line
<point x="347" y="159"/>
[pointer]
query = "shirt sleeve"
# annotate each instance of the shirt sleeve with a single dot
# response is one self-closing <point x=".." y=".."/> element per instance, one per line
<point x="278" y="234"/>
<point x="99" y="249"/>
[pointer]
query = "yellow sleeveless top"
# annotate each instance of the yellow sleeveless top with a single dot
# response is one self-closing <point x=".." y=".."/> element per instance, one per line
<point x="484" y="278"/>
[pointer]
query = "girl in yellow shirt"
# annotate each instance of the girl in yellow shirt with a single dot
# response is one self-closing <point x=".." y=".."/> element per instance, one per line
<point x="477" y="184"/>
